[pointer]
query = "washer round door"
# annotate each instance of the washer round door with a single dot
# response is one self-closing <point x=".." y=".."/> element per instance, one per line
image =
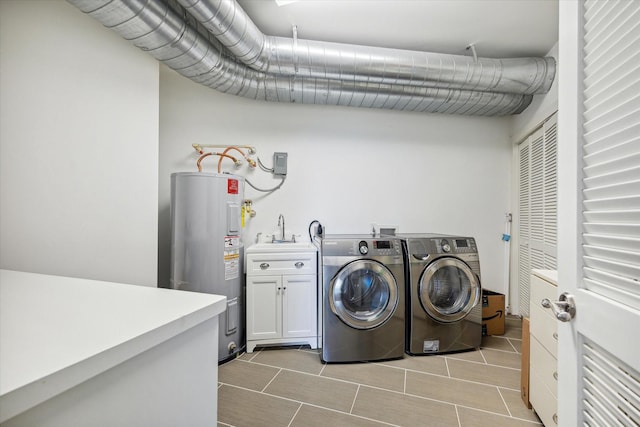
<point x="364" y="294"/>
<point x="448" y="290"/>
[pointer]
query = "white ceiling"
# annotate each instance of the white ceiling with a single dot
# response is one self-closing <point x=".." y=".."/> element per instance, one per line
<point x="498" y="28"/>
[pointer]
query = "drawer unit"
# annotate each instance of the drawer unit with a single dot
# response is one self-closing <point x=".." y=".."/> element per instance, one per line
<point x="286" y="263"/>
<point x="543" y="360"/>
<point x="543" y="401"/>
<point x="544" y="327"/>
<point x="547" y="366"/>
<point x="281" y="299"/>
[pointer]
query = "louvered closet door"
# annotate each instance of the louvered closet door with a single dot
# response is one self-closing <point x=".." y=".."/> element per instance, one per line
<point x="599" y="213"/>
<point x="537" y="209"/>
<point x="524" y="230"/>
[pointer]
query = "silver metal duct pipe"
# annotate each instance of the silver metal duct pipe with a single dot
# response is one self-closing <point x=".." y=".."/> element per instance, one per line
<point x="174" y="37"/>
<point x="228" y="22"/>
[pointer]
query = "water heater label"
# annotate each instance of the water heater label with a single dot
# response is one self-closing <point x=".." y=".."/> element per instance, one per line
<point x="231" y="264"/>
<point x="231" y="242"/>
<point x="232" y="186"/>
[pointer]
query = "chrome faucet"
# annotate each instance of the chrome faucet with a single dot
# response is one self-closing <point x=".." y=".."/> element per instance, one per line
<point x="281" y="225"/>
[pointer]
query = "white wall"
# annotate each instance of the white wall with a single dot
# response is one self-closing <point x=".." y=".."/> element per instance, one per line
<point x="79" y="146"/>
<point x="348" y="167"/>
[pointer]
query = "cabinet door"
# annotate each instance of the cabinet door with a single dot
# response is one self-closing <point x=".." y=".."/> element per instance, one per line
<point x="299" y="306"/>
<point x="264" y="307"/>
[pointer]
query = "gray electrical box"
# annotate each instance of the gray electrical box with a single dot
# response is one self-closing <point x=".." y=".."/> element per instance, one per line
<point x="279" y="163"/>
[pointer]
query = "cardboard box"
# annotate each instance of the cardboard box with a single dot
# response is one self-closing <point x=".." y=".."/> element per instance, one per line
<point x="492" y="313"/>
<point x="524" y="366"/>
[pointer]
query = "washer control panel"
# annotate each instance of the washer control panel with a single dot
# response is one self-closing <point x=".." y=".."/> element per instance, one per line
<point x="361" y="246"/>
<point x="387" y="247"/>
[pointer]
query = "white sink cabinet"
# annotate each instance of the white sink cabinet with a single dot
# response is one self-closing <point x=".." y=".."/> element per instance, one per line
<point x="281" y="296"/>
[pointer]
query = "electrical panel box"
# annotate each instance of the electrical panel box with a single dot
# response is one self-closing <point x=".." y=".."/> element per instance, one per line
<point x="279" y="163"/>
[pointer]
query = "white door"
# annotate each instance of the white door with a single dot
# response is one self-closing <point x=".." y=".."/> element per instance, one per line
<point x="264" y="307"/>
<point x="299" y="306"/>
<point x="599" y="212"/>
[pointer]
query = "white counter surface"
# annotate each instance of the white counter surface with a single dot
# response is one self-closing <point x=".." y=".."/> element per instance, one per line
<point x="57" y="332"/>
<point x="548" y="275"/>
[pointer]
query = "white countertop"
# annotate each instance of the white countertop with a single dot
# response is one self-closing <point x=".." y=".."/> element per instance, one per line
<point x="276" y="248"/>
<point x="548" y="275"/>
<point x="57" y="332"/>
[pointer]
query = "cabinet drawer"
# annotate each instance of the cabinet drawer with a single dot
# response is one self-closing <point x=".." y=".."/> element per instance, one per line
<point x="541" y="289"/>
<point x="285" y="263"/>
<point x="544" y="325"/>
<point x="544" y="328"/>
<point x="545" y="365"/>
<point x="543" y="401"/>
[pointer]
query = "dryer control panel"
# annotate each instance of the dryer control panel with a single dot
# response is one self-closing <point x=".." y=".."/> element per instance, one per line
<point x="465" y="245"/>
<point x="456" y="245"/>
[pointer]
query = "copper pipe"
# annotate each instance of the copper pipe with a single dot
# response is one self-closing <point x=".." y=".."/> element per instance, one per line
<point x="226" y="150"/>
<point x="250" y="148"/>
<point x="214" y="154"/>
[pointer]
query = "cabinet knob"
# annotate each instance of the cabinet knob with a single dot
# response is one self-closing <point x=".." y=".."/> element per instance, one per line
<point x="264" y="266"/>
<point x="299" y="264"/>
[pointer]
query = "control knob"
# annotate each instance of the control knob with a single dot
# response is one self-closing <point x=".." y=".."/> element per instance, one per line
<point x="445" y="245"/>
<point x="363" y="247"/>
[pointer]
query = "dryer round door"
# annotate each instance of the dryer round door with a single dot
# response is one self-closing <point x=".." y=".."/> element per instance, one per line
<point x="448" y="289"/>
<point x="364" y="294"/>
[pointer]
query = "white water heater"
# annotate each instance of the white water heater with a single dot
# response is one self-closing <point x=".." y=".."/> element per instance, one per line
<point x="206" y="246"/>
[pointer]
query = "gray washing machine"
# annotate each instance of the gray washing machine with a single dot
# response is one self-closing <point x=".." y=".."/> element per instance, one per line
<point x="444" y="313"/>
<point x="363" y="298"/>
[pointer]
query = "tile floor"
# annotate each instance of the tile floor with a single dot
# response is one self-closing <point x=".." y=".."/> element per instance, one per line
<point x="291" y="387"/>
